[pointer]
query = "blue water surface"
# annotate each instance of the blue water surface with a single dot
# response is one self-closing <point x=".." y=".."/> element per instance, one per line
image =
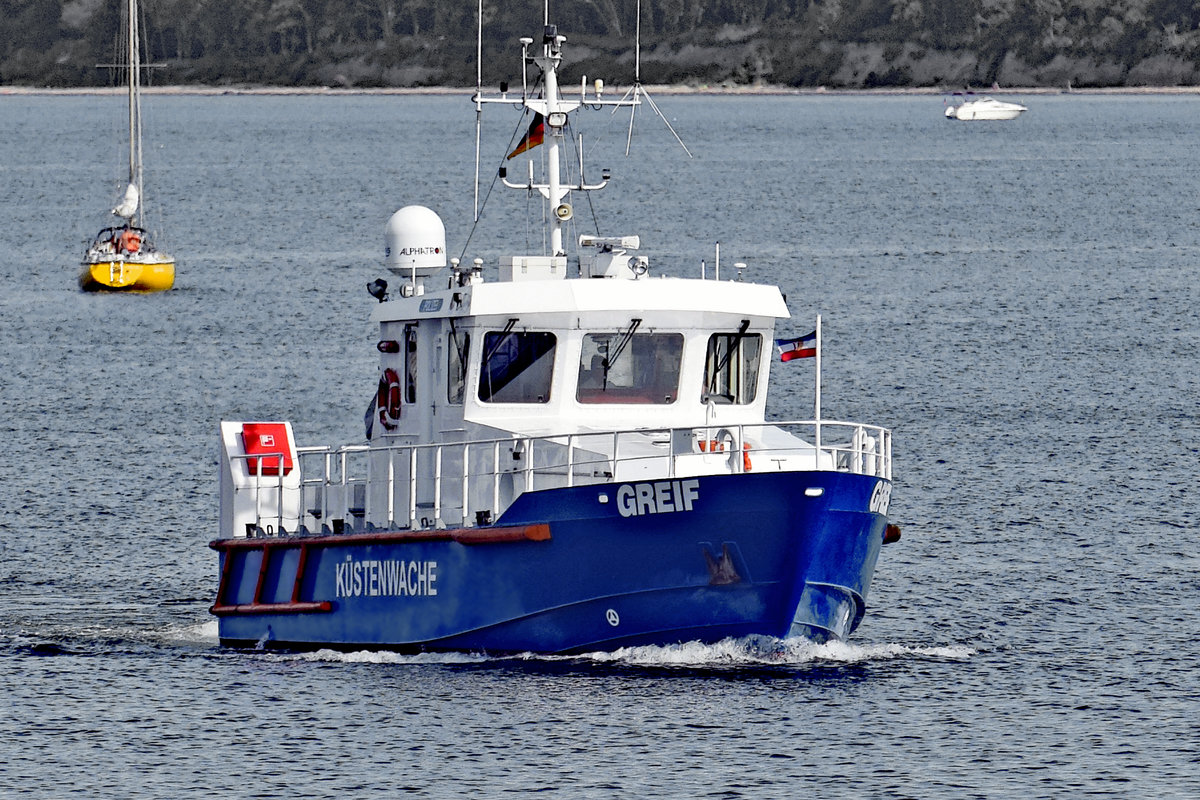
<point x="1017" y="300"/>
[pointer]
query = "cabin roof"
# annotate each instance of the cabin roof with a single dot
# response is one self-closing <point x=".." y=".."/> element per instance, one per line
<point x="582" y="295"/>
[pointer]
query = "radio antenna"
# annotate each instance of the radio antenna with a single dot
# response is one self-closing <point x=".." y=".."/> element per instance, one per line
<point x="478" y="96"/>
<point x="639" y="91"/>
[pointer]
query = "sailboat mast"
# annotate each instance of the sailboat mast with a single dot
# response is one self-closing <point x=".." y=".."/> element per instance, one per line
<point x="135" y="111"/>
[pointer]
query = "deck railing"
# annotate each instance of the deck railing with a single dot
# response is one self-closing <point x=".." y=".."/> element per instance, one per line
<point x="470" y="483"/>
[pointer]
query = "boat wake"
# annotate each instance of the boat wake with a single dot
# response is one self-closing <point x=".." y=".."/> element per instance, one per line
<point x="765" y="651"/>
<point x="728" y="654"/>
<point x="753" y="652"/>
<point x="203" y="633"/>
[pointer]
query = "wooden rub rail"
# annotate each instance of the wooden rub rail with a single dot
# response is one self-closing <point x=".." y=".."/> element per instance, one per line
<point x="268" y="546"/>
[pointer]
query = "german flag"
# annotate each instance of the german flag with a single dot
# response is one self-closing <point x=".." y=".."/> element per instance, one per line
<point x="532" y="138"/>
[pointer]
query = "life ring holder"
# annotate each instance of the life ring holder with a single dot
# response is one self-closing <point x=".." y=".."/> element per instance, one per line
<point x="725" y="440"/>
<point x="388" y="399"/>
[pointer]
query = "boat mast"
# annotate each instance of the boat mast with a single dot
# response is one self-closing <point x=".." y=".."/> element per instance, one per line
<point x="548" y="62"/>
<point x="554" y="110"/>
<point x="478" y="106"/>
<point x="135" y="111"/>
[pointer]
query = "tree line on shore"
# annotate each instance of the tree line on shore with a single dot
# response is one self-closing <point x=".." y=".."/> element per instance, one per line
<point x="797" y="43"/>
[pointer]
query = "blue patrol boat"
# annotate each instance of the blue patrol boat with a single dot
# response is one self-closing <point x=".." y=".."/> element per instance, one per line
<point x="569" y="455"/>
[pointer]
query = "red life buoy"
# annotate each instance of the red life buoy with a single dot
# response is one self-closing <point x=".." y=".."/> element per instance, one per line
<point x="388" y="399"/>
<point x="745" y="457"/>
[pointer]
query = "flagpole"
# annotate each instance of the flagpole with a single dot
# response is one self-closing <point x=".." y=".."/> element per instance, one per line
<point x="817" y="390"/>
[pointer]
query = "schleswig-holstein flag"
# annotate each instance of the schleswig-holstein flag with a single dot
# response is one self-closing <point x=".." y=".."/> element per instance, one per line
<point x="801" y="347"/>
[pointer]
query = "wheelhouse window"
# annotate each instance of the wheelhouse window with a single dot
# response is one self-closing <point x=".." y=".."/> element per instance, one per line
<point x="731" y="368"/>
<point x="630" y="368"/>
<point x="458" y="349"/>
<point x="517" y="367"/>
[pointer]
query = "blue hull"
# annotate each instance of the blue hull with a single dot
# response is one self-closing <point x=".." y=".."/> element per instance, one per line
<point x="574" y="570"/>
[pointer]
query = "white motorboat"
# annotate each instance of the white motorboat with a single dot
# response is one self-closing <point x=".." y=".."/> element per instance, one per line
<point x="968" y="106"/>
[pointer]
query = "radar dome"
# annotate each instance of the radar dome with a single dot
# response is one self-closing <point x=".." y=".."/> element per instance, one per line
<point x="415" y="239"/>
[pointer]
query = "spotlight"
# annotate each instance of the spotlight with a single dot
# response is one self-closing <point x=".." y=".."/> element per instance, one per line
<point x="378" y="289"/>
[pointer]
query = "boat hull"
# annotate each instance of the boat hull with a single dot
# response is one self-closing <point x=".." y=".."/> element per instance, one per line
<point x="128" y="276"/>
<point x="970" y="112"/>
<point x="574" y="570"/>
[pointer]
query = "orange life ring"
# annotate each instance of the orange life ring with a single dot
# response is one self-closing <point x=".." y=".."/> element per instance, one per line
<point x="745" y="457"/>
<point x="130" y="242"/>
<point x="388" y="399"/>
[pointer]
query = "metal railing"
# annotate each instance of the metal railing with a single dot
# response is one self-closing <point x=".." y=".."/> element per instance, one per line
<point x="267" y="490"/>
<point x="466" y="484"/>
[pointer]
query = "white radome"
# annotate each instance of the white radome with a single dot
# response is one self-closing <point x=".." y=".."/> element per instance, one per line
<point x="415" y="240"/>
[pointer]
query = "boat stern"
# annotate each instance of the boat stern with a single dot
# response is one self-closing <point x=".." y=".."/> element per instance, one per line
<point x="117" y="275"/>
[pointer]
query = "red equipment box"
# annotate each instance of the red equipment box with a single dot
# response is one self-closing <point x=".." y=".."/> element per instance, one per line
<point x="266" y="439"/>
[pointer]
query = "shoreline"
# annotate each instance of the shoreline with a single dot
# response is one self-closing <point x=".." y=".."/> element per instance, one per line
<point x="703" y="90"/>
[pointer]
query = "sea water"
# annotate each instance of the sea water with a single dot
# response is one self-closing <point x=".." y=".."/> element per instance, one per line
<point x="1017" y="300"/>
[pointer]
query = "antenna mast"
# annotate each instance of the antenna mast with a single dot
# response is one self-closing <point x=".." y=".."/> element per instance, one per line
<point x="638" y="90"/>
<point x="551" y="109"/>
<point x="478" y="103"/>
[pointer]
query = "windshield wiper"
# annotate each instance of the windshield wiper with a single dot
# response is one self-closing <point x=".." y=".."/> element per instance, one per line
<point x="733" y="345"/>
<point x="611" y="359"/>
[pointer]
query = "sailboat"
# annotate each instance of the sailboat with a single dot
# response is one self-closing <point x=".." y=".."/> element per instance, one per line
<point x="123" y="257"/>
